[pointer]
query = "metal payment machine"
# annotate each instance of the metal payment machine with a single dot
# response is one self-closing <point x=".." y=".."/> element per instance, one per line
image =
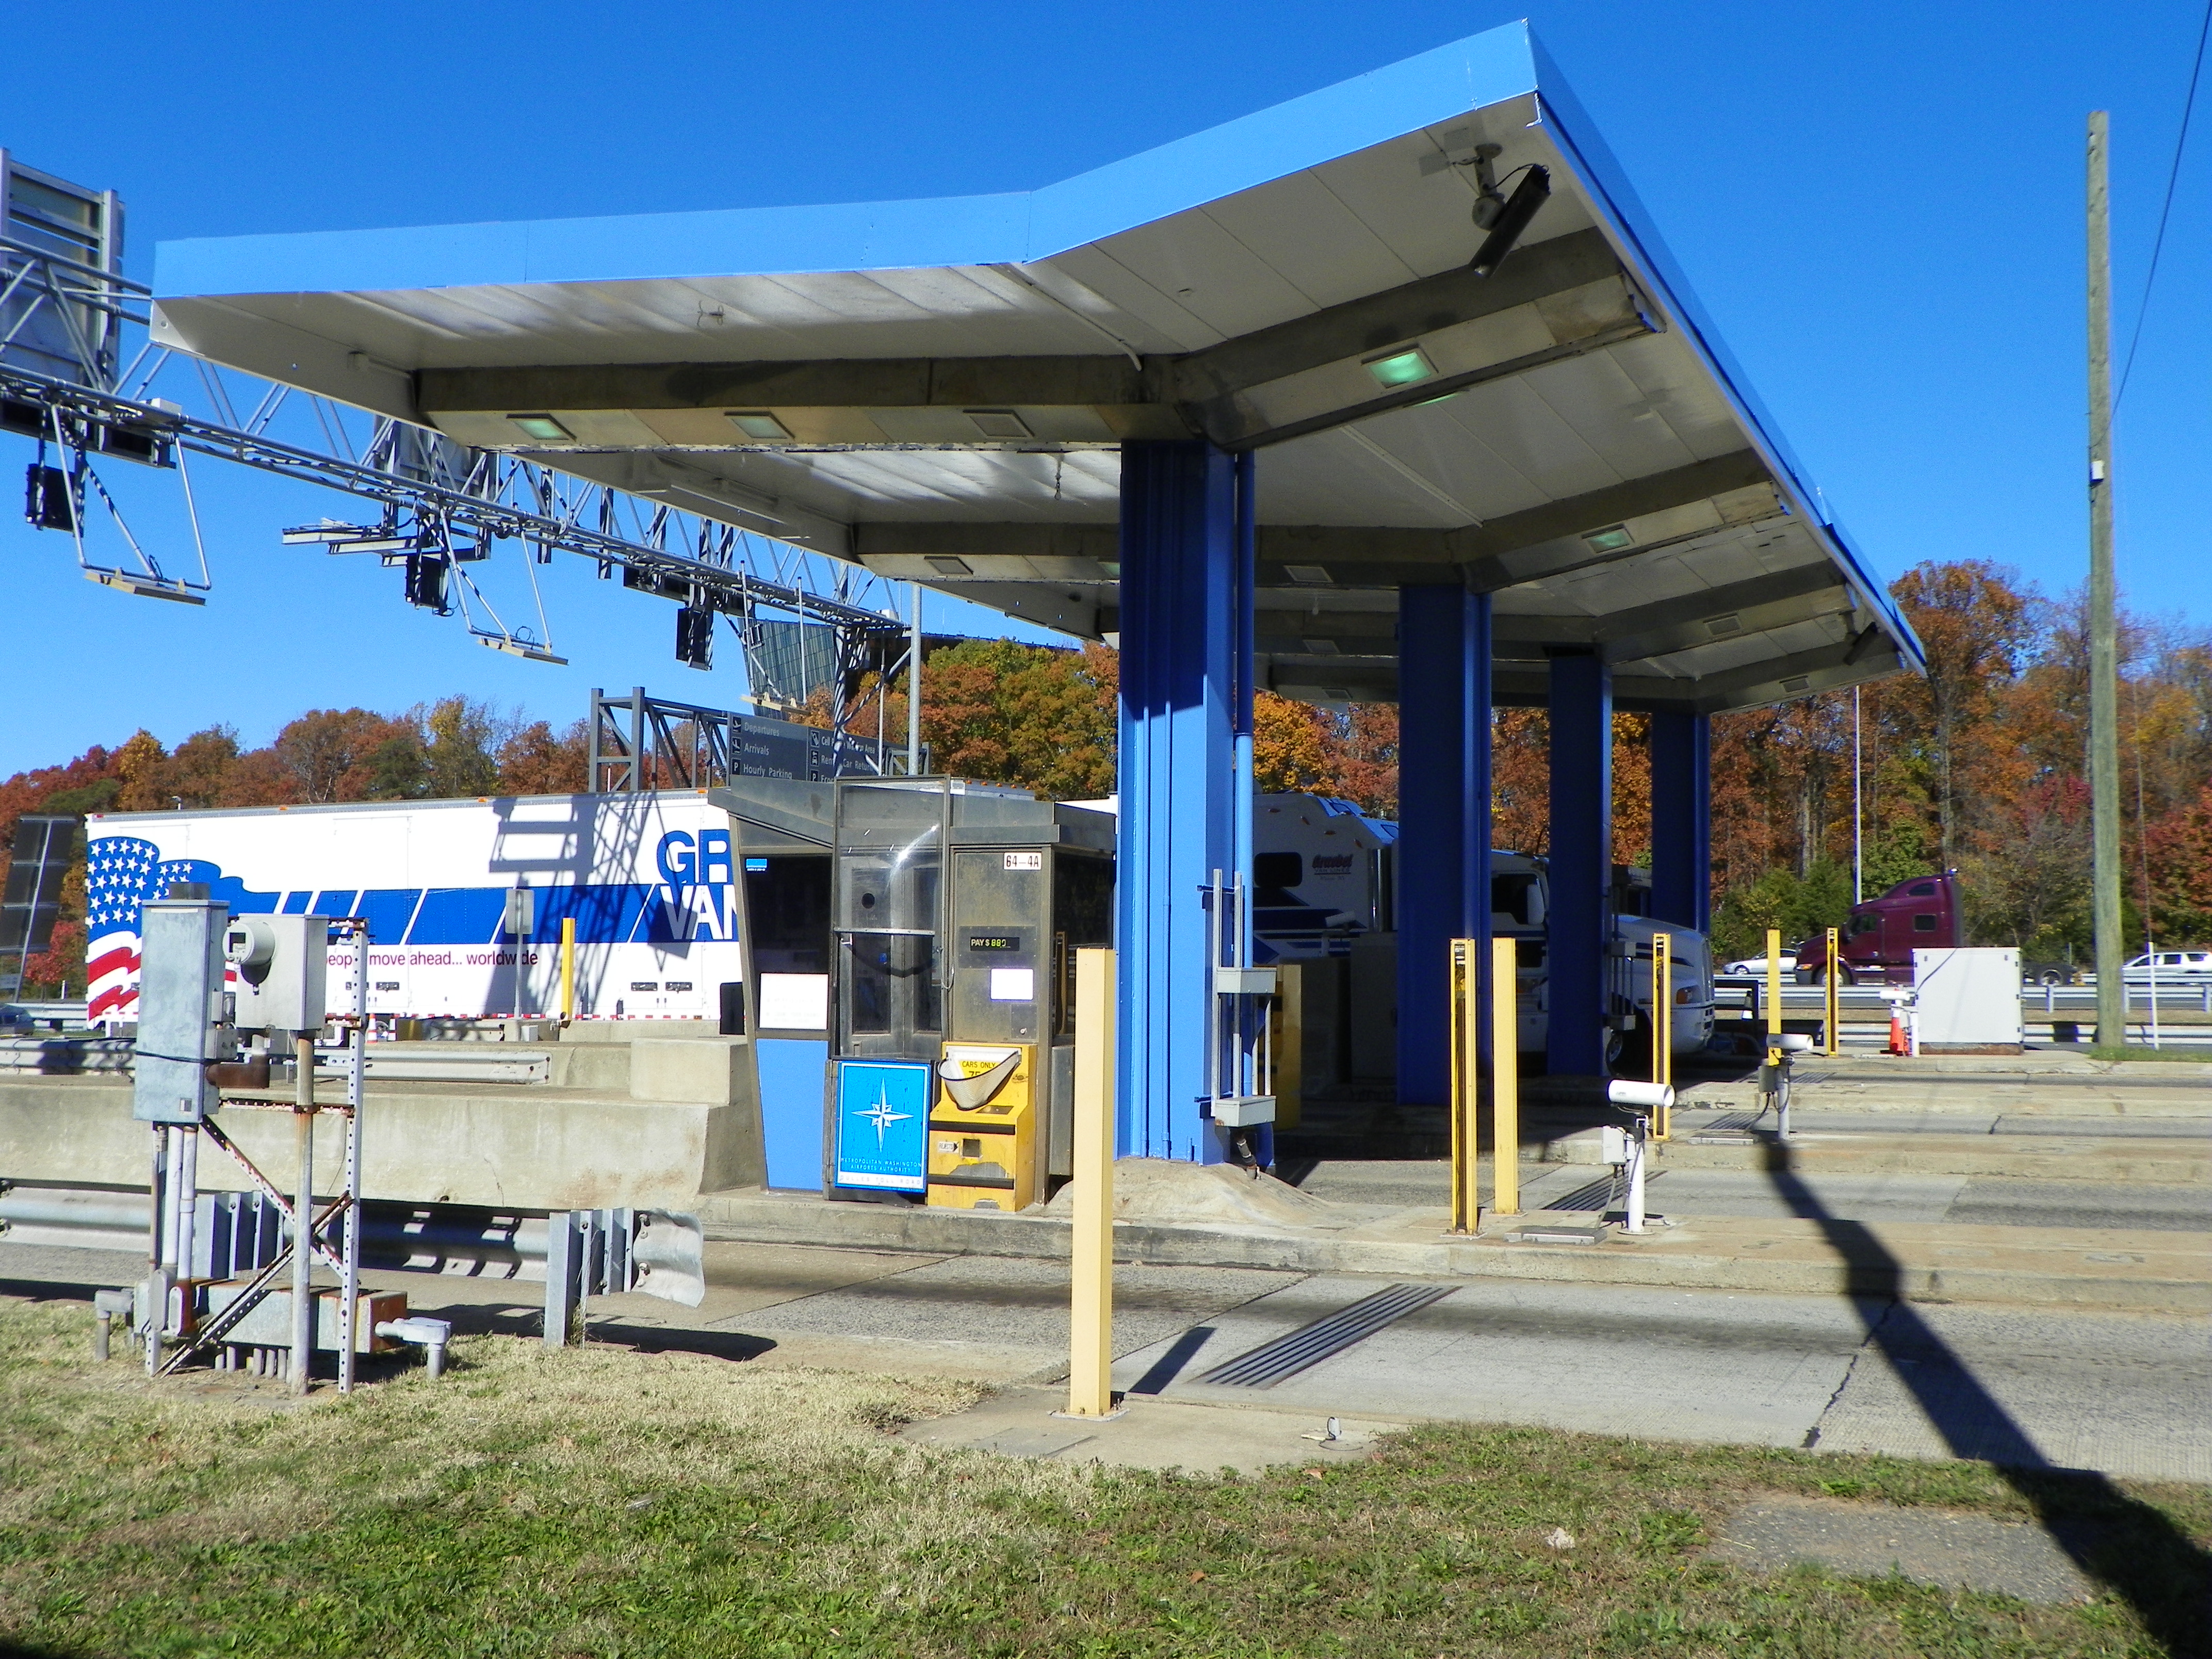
<point x="958" y="911"/>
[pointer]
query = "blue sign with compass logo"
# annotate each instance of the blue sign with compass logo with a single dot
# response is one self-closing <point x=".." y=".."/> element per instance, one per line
<point x="883" y="1118"/>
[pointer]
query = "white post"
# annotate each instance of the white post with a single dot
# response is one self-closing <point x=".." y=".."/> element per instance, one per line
<point x="1091" y="1356"/>
<point x="914" y="689"/>
<point x="1638" y="1125"/>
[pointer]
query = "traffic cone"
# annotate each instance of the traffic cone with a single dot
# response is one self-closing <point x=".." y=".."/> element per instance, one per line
<point x="1898" y="1042"/>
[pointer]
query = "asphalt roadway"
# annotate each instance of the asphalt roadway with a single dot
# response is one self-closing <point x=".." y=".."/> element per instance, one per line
<point x="2123" y="1393"/>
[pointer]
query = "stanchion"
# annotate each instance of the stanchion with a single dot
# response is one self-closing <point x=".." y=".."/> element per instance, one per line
<point x="1466" y="1086"/>
<point x="1090" y="1300"/>
<point x="1833" y="1027"/>
<point x="1504" y="1079"/>
<point x="1662" y="1032"/>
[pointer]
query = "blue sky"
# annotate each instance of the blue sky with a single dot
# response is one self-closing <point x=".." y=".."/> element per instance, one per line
<point x="1879" y="203"/>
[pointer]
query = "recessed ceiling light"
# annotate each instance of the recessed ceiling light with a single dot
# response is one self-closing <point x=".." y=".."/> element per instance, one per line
<point x="1000" y="423"/>
<point x="946" y="565"/>
<point x="759" y="424"/>
<point x="1320" y="647"/>
<point x="1407" y="367"/>
<point x="1730" y="623"/>
<point x="1308" y="575"/>
<point x="1797" y="682"/>
<point x="544" y="428"/>
<point x="1610" y="540"/>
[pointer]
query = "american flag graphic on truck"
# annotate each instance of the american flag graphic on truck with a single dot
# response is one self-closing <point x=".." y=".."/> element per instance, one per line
<point x="121" y="873"/>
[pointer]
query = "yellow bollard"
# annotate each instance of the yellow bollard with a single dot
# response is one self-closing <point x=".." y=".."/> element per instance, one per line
<point x="568" y="968"/>
<point x="1504" y="1079"/>
<point x="1090" y="1302"/>
<point x="1833" y="1028"/>
<point x="1465" y="1086"/>
<point x="1773" y="988"/>
<point x="1662" y="1027"/>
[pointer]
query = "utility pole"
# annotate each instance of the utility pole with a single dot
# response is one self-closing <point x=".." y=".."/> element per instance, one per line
<point x="2104" y="671"/>
<point x="1858" y="807"/>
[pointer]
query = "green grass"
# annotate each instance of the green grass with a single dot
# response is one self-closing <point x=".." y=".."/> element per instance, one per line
<point x="605" y="1503"/>
<point x="2185" y="1056"/>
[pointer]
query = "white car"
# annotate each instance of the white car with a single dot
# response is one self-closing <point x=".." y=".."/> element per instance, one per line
<point x="2174" y="967"/>
<point x="1757" y="965"/>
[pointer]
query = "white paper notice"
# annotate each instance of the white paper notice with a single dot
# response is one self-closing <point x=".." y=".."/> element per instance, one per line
<point x="1014" y="985"/>
<point x="794" y="1002"/>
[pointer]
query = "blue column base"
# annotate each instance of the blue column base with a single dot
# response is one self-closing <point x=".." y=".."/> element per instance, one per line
<point x="1580" y="862"/>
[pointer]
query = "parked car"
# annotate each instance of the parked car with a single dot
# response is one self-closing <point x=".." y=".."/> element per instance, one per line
<point x="2174" y="967"/>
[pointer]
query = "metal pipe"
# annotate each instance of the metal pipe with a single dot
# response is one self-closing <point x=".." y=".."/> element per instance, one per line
<point x="157" y="1283"/>
<point x="188" y="1196"/>
<point x="356" y="1097"/>
<point x="303" y="1215"/>
<point x="914" y="689"/>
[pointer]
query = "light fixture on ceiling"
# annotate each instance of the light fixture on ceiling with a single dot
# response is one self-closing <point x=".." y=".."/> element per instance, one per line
<point x="1409" y="366"/>
<point x="1506" y="224"/>
<point x="544" y="428"/>
<point x="1611" y="539"/>
<point x="1000" y="423"/>
<point x="1309" y="575"/>
<point x="946" y="565"/>
<point x="1321" y="647"/>
<point x="759" y="424"/>
<point x="1797" y="682"/>
<point x="1720" y="627"/>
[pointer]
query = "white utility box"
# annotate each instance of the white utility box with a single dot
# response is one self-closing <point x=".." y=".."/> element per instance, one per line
<point x="1968" y="1001"/>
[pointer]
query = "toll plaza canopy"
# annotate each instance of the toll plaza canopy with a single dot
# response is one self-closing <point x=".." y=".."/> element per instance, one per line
<point x="1266" y="407"/>
<point x="940" y="389"/>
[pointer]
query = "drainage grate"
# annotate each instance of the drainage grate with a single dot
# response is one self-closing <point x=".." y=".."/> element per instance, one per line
<point x="1286" y="1355"/>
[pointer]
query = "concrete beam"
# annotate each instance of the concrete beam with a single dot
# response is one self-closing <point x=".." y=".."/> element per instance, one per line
<point x="1775" y="599"/>
<point x="1659" y="509"/>
<point x="1554" y="300"/>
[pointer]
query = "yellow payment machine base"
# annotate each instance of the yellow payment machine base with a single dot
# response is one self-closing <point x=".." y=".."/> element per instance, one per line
<point x="983" y="1156"/>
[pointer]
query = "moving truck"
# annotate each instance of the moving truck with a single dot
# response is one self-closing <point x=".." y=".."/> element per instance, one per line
<point x="1881" y="934"/>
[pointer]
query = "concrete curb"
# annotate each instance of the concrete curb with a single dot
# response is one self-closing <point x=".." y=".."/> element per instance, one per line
<point x="2094" y="1268"/>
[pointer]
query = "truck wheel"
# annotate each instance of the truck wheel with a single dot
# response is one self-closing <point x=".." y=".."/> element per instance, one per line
<point x="2052" y="977"/>
<point x="1842" y="976"/>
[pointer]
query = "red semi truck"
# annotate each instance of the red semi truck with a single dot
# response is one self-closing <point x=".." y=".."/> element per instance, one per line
<point x="1879" y="939"/>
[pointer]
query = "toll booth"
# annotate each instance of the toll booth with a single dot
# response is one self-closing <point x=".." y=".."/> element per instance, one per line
<point x="957" y="909"/>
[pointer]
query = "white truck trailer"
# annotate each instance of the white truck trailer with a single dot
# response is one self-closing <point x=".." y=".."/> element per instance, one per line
<point x="1324" y="881"/>
<point x="464" y="899"/>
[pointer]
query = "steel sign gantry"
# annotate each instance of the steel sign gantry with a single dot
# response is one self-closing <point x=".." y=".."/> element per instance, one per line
<point x="1470" y="489"/>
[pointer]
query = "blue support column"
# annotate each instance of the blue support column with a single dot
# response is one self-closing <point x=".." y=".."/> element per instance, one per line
<point x="1681" y="820"/>
<point x="1443" y="818"/>
<point x="1184" y="628"/>
<point x="1581" y="861"/>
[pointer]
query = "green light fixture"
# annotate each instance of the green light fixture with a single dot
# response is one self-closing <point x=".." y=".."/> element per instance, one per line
<point x="543" y="428"/>
<point x="1407" y="367"/>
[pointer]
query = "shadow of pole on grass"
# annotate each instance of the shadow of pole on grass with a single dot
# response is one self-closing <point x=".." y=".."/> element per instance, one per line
<point x="2161" y="1572"/>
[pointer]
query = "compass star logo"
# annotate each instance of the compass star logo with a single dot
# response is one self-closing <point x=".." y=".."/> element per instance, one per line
<point x="881" y="1114"/>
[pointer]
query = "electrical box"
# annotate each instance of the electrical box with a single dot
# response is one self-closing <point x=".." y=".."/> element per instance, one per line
<point x="181" y="1015"/>
<point x="983" y="1127"/>
<point x="1968" y="1001"/>
<point x="282" y="963"/>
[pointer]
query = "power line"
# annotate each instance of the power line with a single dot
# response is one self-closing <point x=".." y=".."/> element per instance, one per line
<point x="2158" y="247"/>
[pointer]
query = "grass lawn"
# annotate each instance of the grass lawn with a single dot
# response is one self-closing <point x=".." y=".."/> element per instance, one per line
<point x="605" y="1503"/>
